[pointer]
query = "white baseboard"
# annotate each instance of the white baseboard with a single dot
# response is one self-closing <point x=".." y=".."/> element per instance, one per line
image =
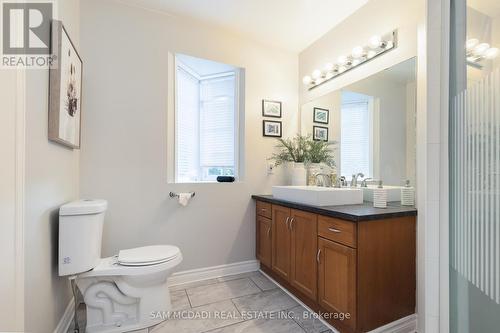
<point x="213" y="272"/>
<point x="403" y="325"/>
<point x="67" y="318"/>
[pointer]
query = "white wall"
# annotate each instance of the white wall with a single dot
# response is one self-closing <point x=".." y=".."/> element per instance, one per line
<point x="124" y="136"/>
<point x="376" y="17"/>
<point x="51" y="180"/>
<point x="8" y="281"/>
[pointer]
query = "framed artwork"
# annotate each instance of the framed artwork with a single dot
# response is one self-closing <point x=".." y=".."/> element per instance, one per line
<point x="271" y="128"/>
<point x="321" y="115"/>
<point x="65" y="89"/>
<point x="271" y="108"/>
<point x="320" y="133"/>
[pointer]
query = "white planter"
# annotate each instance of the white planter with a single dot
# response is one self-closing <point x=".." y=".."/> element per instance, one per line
<point x="299" y="174"/>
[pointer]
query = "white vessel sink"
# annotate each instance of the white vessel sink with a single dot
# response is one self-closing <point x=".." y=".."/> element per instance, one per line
<point x="393" y="193"/>
<point x="319" y="196"/>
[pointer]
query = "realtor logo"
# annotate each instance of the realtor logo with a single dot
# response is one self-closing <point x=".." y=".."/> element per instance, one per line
<point x="26" y="28"/>
<point x="26" y="34"/>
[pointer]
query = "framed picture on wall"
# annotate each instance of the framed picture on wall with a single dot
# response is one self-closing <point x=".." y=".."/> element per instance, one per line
<point x="271" y="128"/>
<point x="320" y="133"/>
<point x="321" y="115"/>
<point x="65" y="89"/>
<point x="271" y="108"/>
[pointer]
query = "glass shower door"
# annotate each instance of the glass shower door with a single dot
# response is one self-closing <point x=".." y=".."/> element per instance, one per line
<point x="475" y="166"/>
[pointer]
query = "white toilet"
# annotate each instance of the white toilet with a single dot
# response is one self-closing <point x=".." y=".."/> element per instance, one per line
<point x="122" y="293"/>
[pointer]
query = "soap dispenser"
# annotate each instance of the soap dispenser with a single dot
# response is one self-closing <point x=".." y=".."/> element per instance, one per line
<point x="380" y="196"/>
<point x="408" y="195"/>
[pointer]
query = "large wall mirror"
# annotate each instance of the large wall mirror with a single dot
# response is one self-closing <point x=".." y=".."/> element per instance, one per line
<point x="373" y="122"/>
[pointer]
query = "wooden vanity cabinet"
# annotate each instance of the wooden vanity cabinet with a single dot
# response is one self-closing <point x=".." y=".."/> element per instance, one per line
<point x="304" y="245"/>
<point x="366" y="269"/>
<point x="337" y="279"/>
<point x="281" y="241"/>
<point x="264" y="237"/>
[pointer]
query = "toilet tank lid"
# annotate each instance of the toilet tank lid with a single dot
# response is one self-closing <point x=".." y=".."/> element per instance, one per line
<point x="83" y="207"/>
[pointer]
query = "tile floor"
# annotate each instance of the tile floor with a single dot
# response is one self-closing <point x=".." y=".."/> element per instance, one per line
<point x="244" y="303"/>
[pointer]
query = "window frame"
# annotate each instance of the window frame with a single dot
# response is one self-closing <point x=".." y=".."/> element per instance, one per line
<point x="172" y="111"/>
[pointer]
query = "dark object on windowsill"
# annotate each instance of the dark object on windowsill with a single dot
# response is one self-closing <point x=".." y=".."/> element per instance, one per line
<point x="225" y="179"/>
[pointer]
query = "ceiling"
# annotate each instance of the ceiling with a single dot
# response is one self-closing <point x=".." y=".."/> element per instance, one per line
<point x="287" y="24"/>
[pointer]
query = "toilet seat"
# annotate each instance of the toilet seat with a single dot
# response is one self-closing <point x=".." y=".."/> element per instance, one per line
<point x="143" y="265"/>
<point x="147" y="255"/>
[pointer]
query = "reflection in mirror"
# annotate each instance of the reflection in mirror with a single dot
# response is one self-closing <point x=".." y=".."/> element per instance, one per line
<point x="374" y="123"/>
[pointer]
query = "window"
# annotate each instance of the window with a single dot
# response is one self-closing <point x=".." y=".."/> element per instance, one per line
<point x="206" y="120"/>
<point x="356" y="137"/>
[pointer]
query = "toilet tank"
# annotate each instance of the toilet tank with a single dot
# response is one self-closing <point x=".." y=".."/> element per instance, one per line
<point x="80" y="235"/>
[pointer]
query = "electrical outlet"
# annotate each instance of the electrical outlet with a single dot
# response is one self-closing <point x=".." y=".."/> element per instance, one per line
<point x="270" y="168"/>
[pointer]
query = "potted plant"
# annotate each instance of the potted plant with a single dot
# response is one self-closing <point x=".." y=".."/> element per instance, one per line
<point x="293" y="150"/>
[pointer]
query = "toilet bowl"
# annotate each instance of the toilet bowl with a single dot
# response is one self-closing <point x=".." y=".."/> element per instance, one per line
<point x="122" y="293"/>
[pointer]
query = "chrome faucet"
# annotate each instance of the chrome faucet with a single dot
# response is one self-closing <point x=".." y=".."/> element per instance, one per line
<point x="323" y="180"/>
<point x="364" y="182"/>
<point x="354" y="180"/>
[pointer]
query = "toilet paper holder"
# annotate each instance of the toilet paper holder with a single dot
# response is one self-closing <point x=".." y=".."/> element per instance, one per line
<point x="176" y="195"/>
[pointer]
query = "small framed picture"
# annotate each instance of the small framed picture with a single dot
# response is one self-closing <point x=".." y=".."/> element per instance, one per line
<point x="271" y="128"/>
<point x="320" y="133"/>
<point x="271" y="108"/>
<point x="321" y="115"/>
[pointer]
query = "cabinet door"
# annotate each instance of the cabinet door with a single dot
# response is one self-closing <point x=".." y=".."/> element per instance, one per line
<point x="337" y="279"/>
<point x="264" y="234"/>
<point x="304" y="245"/>
<point x="281" y="241"/>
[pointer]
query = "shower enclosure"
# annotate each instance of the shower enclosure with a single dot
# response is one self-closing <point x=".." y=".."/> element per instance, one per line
<point x="474" y="152"/>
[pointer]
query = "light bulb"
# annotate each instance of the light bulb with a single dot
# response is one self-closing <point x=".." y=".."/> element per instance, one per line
<point x="316" y="74"/>
<point x="307" y="79"/>
<point x="357" y="52"/>
<point x="356" y="62"/>
<point x="342" y="60"/>
<point x="471" y="44"/>
<point x="375" y="41"/>
<point x="342" y="69"/>
<point x="389" y="45"/>
<point x="371" y="54"/>
<point x="491" y="53"/>
<point x="481" y="48"/>
<point x="329" y="67"/>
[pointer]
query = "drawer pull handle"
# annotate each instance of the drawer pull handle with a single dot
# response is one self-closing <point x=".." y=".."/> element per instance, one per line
<point x="318" y="255"/>
<point x="286" y="222"/>
<point x="263" y="209"/>
<point x="334" y="230"/>
<point x="268" y="232"/>
<point x="291" y="223"/>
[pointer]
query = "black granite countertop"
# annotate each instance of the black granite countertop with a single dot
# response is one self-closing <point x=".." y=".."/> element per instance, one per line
<point x="355" y="213"/>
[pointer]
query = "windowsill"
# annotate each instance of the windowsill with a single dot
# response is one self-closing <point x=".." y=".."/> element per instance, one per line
<point x="205" y="182"/>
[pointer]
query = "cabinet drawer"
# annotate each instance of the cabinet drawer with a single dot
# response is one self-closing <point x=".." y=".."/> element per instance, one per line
<point x="339" y="231"/>
<point x="264" y="209"/>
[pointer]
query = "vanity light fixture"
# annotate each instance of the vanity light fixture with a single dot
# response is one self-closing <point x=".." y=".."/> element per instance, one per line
<point x="360" y="54"/>
<point x="478" y="52"/>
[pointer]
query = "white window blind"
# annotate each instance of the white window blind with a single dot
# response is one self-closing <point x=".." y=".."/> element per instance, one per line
<point x="205" y="126"/>
<point x="355" y="139"/>
<point x="217" y="122"/>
